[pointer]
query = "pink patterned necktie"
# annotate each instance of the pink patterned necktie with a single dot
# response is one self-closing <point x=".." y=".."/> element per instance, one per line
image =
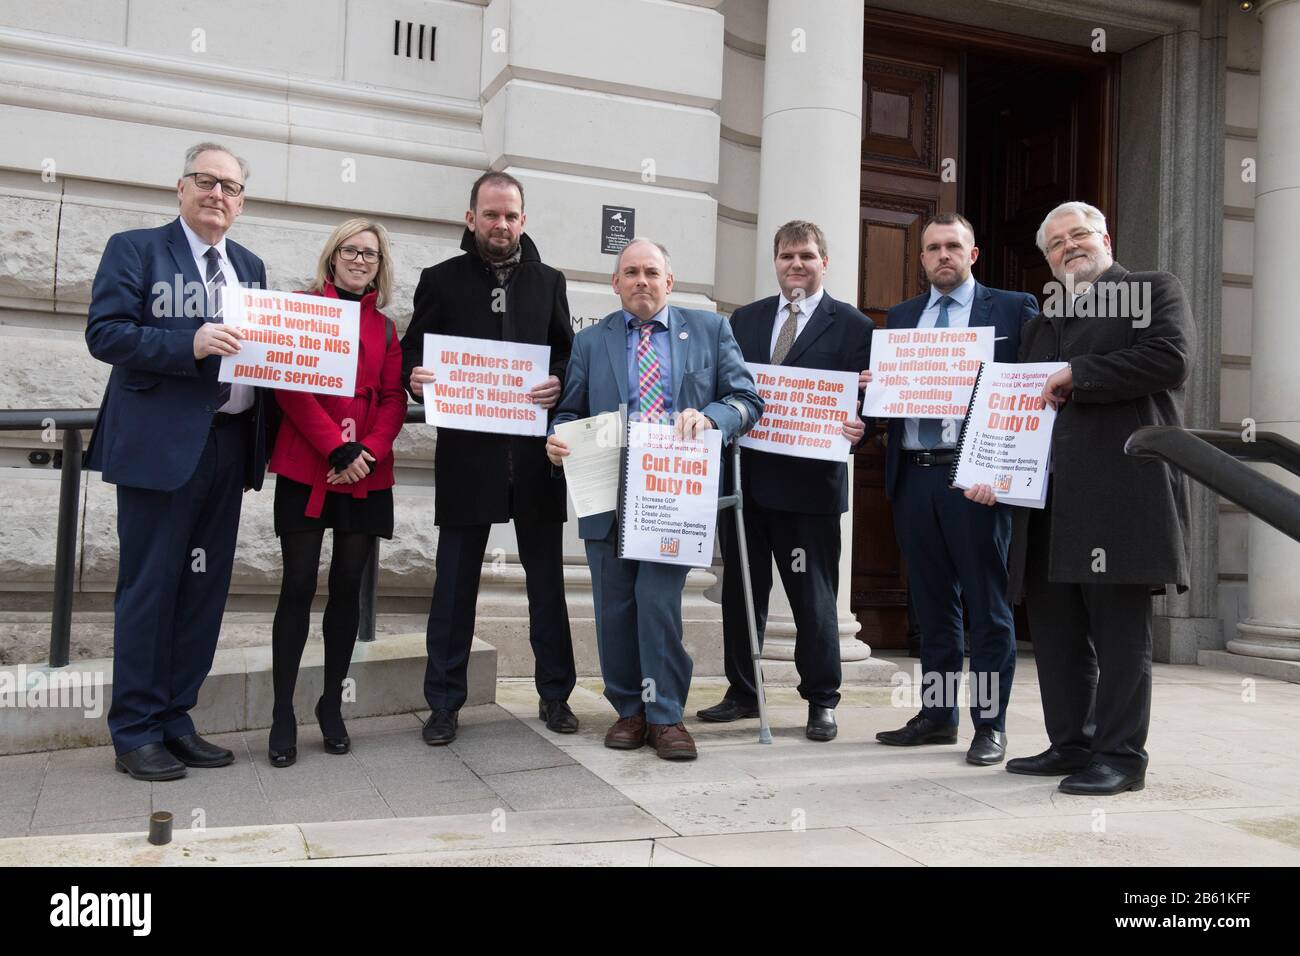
<point x="650" y="392"/>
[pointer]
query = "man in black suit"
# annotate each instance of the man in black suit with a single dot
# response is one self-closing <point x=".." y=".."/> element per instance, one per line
<point x="954" y="551"/>
<point x="793" y="505"/>
<point x="498" y="289"/>
<point x="182" y="449"/>
<point x="1115" y="528"/>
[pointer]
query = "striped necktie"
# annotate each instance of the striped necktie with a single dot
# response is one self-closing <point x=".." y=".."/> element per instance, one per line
<point x="649" y="389"/>
<point x="215" y="282"/>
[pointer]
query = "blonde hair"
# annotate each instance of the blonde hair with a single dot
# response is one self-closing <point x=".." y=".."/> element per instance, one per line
<point x="383" y="280"/>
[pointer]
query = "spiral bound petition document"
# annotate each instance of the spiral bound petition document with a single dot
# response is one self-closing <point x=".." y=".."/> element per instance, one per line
<point x="668" y="499"/>
<point x="1006" y="437"/>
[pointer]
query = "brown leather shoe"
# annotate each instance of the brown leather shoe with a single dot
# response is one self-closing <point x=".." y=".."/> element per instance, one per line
<point x="628" y="733"/>
<point x="671" y="741"/>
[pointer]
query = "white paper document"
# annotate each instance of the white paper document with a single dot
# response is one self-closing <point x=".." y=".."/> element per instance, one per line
<point x="669" y="507"/>
<point x="804" y="411"/>
<point x="481" y="385"/>
<point x="1006" y="441"/>
<point x="925" y="373"/>
<point x="591" y="469"/>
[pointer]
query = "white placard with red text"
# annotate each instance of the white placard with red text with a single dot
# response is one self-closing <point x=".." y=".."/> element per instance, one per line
<point x="482" y="385"/>
<point x="291" y="340"/>
<point x="925" y="373"/>
<point x="804" y="411"/>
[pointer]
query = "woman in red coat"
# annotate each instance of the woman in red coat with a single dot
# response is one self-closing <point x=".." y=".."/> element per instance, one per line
<point x="333" y="459"/>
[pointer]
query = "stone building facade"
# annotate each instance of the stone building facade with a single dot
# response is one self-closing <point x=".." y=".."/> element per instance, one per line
<point x="714" y="120"/>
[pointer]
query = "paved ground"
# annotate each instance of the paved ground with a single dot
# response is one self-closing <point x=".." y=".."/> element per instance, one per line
<point x="1223" y="789"/>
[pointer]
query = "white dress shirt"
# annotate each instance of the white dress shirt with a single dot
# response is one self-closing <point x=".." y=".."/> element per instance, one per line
<point x="807" y="307"/>
<point x="958" y="318"/>
<point x="241" y="396"/>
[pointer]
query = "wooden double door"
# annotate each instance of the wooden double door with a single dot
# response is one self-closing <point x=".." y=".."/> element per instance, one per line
<point x="999" y="128"/>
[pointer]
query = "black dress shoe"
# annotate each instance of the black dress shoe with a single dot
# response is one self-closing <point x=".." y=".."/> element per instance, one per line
<point x="727" y="711"/>
<point x="281" y="743"/>
<point x="150" y="762"/>
<point x="821" y="723"/>
<point x="559" y="718"/>
<point x="337" y="742"/>
<point x="1099" y="780"/>
<point x="440" y="728"/>
<point x="193" y="751"/>
<point x="1050" y="763"/>
<point x="919" y="730"/>
<point x="988" y="747"/>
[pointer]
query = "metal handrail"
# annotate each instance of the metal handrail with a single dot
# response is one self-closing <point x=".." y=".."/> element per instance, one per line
<point x="71" y="421"/>
<point x="1215" y="459"/>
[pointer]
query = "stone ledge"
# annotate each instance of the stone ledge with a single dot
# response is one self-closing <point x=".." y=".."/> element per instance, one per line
<point x="1259" y="666"/>
<point x="388" y="675"/>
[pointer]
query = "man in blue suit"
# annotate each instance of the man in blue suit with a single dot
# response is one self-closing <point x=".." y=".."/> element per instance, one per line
<point x="656" y="360"/>
<point x="954" y="550"/>
<point x="182" y="448"/>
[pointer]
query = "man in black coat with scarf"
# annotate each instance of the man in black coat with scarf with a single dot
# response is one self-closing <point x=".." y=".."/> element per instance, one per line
<point x="1115" y="528"/>
<point x="499" y="289"/>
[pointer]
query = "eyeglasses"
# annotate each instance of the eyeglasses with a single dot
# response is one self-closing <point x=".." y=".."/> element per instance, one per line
<point x="1077" y="236"/>
<point x="205" y="182"/>
<point x="351" y="253"/>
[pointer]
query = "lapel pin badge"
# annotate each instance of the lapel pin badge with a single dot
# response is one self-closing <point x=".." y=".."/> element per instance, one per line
<point x="683" y="335"/>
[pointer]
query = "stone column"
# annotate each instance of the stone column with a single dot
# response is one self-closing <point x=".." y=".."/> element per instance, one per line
<point x="1272" y="628"/>
<point x="809" y="169"/>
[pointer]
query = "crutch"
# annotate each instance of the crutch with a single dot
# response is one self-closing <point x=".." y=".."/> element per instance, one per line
<point x="734" y="502"/>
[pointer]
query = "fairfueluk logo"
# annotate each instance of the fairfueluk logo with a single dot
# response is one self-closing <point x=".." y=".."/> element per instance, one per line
<point x="77" y="909"/>
<point x="38" y="689"/>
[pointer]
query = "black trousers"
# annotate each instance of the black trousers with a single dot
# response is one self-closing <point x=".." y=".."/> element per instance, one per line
<point x="459" y="564"/>
<point x="176" y="554"/>
<point x="1092" y="644"/>
<point x="807" y="553"/>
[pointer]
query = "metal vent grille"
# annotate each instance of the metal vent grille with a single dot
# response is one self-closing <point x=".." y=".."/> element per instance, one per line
<point x="409" y="39"/>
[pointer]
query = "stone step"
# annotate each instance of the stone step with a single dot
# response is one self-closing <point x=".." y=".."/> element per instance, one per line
<point x="57" y="709"/>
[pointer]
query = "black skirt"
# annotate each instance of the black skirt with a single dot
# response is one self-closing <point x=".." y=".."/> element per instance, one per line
<point x="372" y="514"/>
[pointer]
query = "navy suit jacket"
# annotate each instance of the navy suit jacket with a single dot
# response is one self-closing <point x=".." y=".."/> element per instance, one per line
<point x="836" y="337"/>
<point x="709" y="375"/>
<point x="1007" y="312"/>
<point x="146" y="305"/>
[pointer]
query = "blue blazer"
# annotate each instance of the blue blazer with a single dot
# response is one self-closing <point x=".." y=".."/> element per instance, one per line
<point x="146" y="304"/>
<point x="709" y="374"/>
<point x="1007" y="312"/>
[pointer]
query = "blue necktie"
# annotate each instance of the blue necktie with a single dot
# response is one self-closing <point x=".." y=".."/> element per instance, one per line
<point x="930" y="430"/>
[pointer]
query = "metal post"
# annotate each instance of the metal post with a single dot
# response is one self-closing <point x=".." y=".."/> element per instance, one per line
<point x="756" y="653"/>
<point x="65" y="549"/>
<point x="369" y="596"/>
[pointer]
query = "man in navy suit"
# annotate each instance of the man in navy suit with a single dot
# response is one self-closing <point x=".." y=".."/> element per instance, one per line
<point x="683" y="365"/>
<point x="955" y="549"/>
<point x="793" y="505"/>
<point x="182" y="448"/>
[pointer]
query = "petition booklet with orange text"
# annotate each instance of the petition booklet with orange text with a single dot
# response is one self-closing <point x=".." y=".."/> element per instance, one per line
<point x="1006" y="438"/>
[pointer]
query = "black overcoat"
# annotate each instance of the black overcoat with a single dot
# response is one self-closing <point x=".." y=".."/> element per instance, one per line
<point x="482" y="478"/>
<point x="1115" y="518"/>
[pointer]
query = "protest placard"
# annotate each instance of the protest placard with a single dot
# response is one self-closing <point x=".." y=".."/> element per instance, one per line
<point x="669" y="504"/>
<point x="925" y="373"/>
<point x="291" y="340"/>
<point x="482" y="385"/>
<point x="1006" y="439"/>
<point x="804" y="411"/>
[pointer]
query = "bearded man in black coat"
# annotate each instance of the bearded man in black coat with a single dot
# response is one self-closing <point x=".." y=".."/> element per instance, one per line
<point x="1115" y="528"/>
<point x="498" y="289"/>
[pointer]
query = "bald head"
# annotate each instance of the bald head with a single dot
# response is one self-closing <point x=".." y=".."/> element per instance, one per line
<point x="643" y="277"/>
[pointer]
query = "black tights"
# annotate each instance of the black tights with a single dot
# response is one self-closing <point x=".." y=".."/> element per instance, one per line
<point x="301" y="554"/>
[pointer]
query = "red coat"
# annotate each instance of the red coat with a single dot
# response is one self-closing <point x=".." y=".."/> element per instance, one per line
<point x="312" y="425"/>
